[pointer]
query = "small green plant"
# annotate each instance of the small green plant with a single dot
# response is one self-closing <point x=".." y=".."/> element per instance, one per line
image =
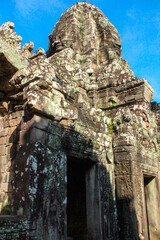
<point x="9" y="40"/>
<point x="110" y="127"/>
<point x="102" y="107"/>
<point x="107" y="106"/>
<point x="112" y="105"/>
<point x="107" y="114"/>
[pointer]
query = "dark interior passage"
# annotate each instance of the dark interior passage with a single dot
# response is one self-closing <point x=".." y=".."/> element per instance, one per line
<point x="147" y="180"/>
<point x="152" y="207"/>
<point x="76" y="199"/>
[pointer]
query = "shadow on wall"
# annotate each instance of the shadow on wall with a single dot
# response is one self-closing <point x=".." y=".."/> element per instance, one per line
<point x="58" y="185"/>
<point x="127" y="220"/>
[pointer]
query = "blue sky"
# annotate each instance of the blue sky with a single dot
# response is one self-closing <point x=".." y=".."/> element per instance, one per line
<point x="138" y="24"/>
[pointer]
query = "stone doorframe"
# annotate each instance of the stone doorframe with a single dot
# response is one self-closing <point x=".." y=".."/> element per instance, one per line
<point x="93" y="206"/>
<point x="151" y="206"/>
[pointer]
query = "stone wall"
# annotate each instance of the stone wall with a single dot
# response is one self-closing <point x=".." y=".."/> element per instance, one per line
<point x="14" y="227"/>
<point x="79" y="136"/>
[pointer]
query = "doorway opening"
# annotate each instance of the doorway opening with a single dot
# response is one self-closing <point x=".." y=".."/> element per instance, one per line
<point x="147" y="180"/>
<point x="152" y="206"/>
<point x="83" y="200"/>
<point x="76" y="199"/>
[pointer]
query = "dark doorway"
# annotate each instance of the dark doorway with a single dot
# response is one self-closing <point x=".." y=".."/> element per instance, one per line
<point x="76" y="199"/>
<point x="152" y="208"/>
<point x="83" y="200"/>
<point x="147" y="180"/>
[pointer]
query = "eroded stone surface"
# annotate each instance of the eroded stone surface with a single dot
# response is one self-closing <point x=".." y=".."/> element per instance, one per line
<point x="81" y="103"/>
<point x="9" y="35"/>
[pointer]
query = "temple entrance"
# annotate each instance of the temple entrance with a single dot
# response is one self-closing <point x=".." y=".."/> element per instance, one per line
<point x="76" y="199"/>
<point x="83" y="210"/>
<point x="152" y="208"/>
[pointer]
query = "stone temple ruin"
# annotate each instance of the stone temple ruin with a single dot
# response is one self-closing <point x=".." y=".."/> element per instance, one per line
<point x="79" y="136"/>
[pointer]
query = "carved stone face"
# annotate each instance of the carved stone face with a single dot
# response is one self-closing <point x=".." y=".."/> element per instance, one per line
<point x="85" y="29"/>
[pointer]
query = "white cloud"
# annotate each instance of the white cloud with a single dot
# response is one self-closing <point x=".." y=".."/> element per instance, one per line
<point x="141" y="36"/>
<point x="156" y="21"/>
<point x="131" y="13"/>
<point x="157" y="96"/>
<point x="25" y="8"/>
<point x="156" y="88"/>
<point x="134" y="43"/>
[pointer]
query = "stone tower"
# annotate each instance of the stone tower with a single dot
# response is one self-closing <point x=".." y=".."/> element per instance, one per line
<point x="79" y="136"/>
